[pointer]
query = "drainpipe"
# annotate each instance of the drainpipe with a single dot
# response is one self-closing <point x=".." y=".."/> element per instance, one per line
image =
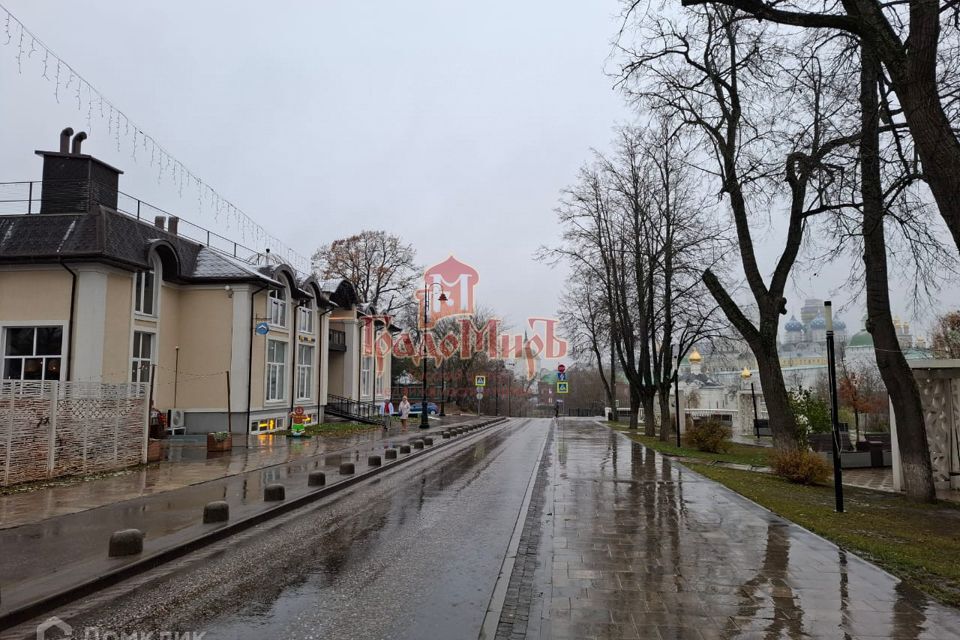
<point x="321" y="343"/>
<point x="73" y="306"/>
<point x="253" y="320"/>
<point x="293" y="360"/>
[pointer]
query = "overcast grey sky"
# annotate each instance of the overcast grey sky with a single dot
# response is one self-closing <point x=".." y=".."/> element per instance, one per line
<point x="453" y="124"/>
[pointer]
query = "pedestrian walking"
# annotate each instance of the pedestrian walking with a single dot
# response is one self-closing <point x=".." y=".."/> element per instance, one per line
<point x="387" y="413"/>
<point x="404" y="412"/>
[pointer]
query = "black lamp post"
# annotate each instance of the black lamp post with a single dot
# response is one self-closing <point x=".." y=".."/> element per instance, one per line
<point x="834" y="418"/>
<point x="443" y="391"/>
<point x="424" y="420"/>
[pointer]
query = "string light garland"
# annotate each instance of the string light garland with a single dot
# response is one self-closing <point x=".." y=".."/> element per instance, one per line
<point x="53" y="68"/>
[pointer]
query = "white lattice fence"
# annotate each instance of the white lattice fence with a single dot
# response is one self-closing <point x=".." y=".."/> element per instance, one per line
<point x="52" y="429"/>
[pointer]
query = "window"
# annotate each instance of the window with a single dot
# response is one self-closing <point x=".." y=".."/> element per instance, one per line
<point x="365" y="365"/>
<point x="32" y="353"/>
<point x="305" y="319"/>
<point x="379" y="383"/>
<point x="276" y="369"/>
<point x="142" y="360"/>
<point x="144" y="294"/>
<point x="304" y="371"/>
<point x="267" y="424"/>
<point x="277" y="307"/>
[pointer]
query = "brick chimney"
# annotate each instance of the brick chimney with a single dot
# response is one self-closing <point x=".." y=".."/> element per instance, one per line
<point x="74" y="182"/>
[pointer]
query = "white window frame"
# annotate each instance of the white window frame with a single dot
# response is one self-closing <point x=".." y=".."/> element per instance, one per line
<point x="279" y="423"/>
<point x="378" y="384"/>
<point x="135" y="358"/>
<point x="304" y="371"/>
<point x="366" y="363"/>
<point x="4" y="327"/>
<point x="305" y="318"/>
<point x="277" y="308"/>
<point x="280" y="368"/>
<point x="139" y="289"/>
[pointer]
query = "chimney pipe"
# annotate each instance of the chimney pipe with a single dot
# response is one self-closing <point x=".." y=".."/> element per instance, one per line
<point x="77" y="141"/>
<point x="172" y="224"/>
<point x="65" y="140"/>
<point x="158" y="222"/>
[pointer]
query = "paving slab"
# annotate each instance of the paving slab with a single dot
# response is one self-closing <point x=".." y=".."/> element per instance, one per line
<point x="638" y="546"/>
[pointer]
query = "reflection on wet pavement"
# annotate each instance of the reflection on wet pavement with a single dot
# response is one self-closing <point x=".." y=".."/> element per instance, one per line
<point x="642" y="548"/>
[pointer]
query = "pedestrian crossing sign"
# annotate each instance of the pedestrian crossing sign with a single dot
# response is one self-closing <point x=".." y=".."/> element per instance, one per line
<point x="481" y="381"/>
<point x="563" y="387"/>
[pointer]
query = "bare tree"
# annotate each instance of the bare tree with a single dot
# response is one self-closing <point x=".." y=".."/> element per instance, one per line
<point x="584" y="314"/>
<point x="380" y="265"/>
<point x="915" y="41"/>
<point x="945" y="339"/>
<point x="717" y="73"/>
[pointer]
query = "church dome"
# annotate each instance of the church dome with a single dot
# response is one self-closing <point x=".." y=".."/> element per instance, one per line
<point x="793" y="325"/>
<point x="695" y="356"/>
<point x="861" y="339"/>
<point x="818" y="323"/>
<point x="839" y="325"/>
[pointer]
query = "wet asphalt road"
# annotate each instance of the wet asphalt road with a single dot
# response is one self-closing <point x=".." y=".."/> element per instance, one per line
<point x="415" y="554"/>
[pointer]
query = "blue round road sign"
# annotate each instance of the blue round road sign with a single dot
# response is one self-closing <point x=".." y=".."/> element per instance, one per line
<point x="262" y="328"/>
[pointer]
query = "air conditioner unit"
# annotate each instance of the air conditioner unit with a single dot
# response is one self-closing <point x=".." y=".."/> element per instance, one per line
<point x="176" y="419"/>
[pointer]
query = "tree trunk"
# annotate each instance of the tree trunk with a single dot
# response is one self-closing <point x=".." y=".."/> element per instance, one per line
<point x="666" y="424"/>
<point x="649" y="420"/>
<point x="894" y="370"/>
<point x="783" y="423"/>
<point x="634" y="406"/>
<point x="613" y="384"/>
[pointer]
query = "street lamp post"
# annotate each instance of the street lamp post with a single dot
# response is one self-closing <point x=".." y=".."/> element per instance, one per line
<point x="443" y="391"/>
<point x="676" y="394"/>
<point x="427" y="288"/>
<point x="834" y="417"/>
<point x="746" y="374"/>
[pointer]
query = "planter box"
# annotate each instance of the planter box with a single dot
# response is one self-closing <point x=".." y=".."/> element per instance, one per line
<point x="219" y="445"/>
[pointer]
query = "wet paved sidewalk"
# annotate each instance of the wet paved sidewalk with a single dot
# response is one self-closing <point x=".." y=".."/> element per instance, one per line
<point x="189" y="464"/>
<point x="634" y="546"/>
<point x="48" y="556"/>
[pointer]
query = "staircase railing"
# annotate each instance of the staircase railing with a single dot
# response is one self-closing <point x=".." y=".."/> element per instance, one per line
<point x="357" y="410"/>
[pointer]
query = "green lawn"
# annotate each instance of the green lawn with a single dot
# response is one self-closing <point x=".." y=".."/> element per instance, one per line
<point x="339" y="428"/>
<point x="917" y="542"/>
<point x="738" y="453"/>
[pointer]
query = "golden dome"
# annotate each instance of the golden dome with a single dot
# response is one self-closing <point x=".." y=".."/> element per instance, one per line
<point x="695" y="356"/>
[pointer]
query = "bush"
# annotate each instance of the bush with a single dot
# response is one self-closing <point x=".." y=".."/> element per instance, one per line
<point x="707" y="435"/>
<point x="802" y="467"/>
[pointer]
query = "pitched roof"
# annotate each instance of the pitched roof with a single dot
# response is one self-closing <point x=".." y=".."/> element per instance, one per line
<point x="105" y="235"/>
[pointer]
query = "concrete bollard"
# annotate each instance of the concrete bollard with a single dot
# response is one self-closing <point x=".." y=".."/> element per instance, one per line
<point x="418" y="444"/>
<point x="374" y="461"/>
<point x="346" y="468"/>
<point x="404" y="448"/>
<point x="127" y="542"/>
<point x="274" y="493"/>
<point x="316" y="479"/>
<point x="428" y="441"/>
<point x="217" y="511"/>
<point x="390" y="454"/>
<point x="445" y="435"/>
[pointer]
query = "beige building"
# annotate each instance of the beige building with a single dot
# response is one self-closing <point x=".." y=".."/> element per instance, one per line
<point x="92" y="293"/>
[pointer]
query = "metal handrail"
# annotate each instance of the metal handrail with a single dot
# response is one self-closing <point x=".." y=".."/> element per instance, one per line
<point x="138" y="209"/>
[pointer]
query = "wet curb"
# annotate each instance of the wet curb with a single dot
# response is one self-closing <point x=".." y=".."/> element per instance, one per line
<point x="51" y="602"/>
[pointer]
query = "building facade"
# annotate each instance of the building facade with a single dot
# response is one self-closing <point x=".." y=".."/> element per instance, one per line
<point x="91" y="293"/>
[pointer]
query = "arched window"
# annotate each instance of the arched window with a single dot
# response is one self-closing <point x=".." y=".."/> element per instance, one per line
<point x="146" y="288"/>
<point x="277" y="307"/>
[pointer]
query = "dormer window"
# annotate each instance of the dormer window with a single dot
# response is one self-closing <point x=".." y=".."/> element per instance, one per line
<point x="277" y="307"/>
<point x="145" y="291"/>
<point x="305" y="318"/>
